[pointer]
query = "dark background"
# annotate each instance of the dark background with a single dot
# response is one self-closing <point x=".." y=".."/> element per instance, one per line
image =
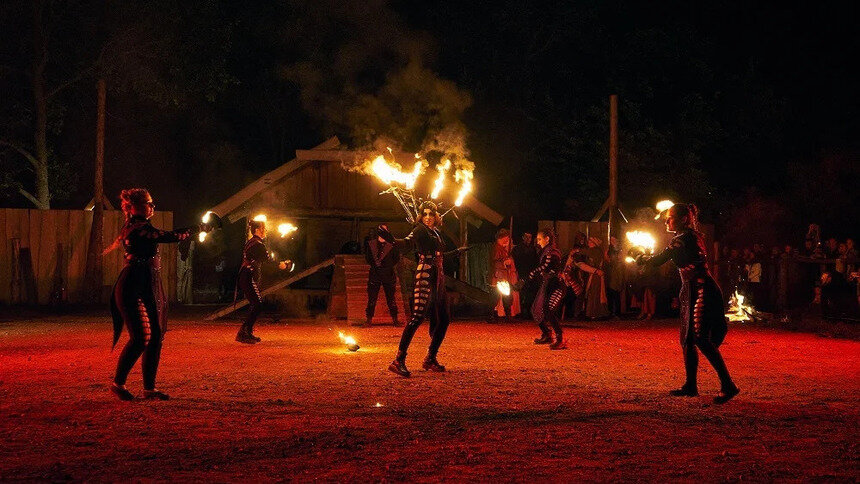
<point x="746" y="108"/>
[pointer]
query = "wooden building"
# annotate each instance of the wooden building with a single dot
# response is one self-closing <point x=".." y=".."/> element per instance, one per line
<point x="331" y="207"/>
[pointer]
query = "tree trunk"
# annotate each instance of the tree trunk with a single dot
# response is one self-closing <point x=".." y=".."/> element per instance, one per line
<point x="94" y="252"/>
<point x="40" y="99"/>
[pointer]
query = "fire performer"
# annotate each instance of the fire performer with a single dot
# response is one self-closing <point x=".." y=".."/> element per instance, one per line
<point x="428" y="296"/>
<point x="502" y="269"/>
<point x="138" y="299"/>
<point x="254" y="255"/>
<point x="703" y="322"/>
<point x="546" y="308"/>
<point x="383" y="257"/>
<point x="575" y="269"/>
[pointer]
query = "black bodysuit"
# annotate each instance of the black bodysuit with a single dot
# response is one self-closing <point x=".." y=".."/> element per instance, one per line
<point x="253" y="256"/>
<point x="546" y="308"/>
<point x="703" y="321"/>
<point x="138" y="299"/>
<point x="429" y="295"/>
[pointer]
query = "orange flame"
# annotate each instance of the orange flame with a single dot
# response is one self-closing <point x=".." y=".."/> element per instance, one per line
<point x="442" y="168"/>
<point x="391" y="173"/>
<point x="465" y="177"/>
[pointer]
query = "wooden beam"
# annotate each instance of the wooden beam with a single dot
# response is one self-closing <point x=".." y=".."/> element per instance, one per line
<point x="310" y="213"/>
<point x="226" y="207"/>
<point x="275" y="287"/>
<point x="600" y="212"/>
<point x="482" y="210"/>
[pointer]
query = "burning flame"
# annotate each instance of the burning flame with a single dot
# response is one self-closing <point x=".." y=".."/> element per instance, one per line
<point x="642" y="239"/>
<point x="662" y="206"/>
<point x="259" y="218"/>
<point x="391" y="172"/>
<point x="205" y="219"/>
<point x="629" y="260"/>
<point x="286" y="228"/>
<point x="504" y="287"/>
<point x="442" y="168"/>
<point x="465" y="176"/>
<point x="738" y="311"/>
<point x="346" y="339"/>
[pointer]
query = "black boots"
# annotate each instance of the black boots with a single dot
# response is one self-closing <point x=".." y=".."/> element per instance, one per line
<point x="559" y="343"/>
<point x="688" y="390"/>
<point x="155" y="395"/>
<point x="545" y="335"/>
<point x="245" y="336"/>
<point x="430" y="364"/>
<point x="399" y="365"/>
<point x="726" y="394"/>
<point x="121" y="392"/>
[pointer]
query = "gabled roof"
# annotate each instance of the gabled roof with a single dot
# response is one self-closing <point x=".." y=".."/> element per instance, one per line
<point x="327" y="151"/>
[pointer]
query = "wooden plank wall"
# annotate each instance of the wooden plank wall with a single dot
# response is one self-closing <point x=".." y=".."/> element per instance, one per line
<point x="42" y="230"/>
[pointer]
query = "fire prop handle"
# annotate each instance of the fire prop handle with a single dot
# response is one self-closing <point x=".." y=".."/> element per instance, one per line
<point x="409" y="205"/>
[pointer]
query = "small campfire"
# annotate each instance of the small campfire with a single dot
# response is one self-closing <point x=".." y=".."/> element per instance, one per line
<point x="738" y="311"/>
<point x="349" y="341"/>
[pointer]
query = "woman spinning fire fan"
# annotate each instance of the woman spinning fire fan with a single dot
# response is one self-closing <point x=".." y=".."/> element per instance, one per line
<point x="703" y="321"/>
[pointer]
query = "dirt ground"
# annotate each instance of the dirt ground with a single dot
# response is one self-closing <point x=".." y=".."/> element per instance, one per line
<point x="299" y="407"/>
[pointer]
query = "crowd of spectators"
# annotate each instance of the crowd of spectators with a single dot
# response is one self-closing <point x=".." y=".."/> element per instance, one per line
<point x="820" y="273"/>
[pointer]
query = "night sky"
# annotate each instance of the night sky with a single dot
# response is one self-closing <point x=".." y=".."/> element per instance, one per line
<point x="746" y="108"/>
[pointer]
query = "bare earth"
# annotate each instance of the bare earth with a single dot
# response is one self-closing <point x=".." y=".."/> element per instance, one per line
<point x="300" y="407"/>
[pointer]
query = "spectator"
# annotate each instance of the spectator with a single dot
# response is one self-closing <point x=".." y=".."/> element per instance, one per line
<point x="525" y="257"/>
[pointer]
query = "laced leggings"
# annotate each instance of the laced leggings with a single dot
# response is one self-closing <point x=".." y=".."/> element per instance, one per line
<point x="552" y="312"/>
<point x="696" y="338"/>
<point x="255" y="301"/>
<point x="145" y="338"/>
<point x="427" y="300"/>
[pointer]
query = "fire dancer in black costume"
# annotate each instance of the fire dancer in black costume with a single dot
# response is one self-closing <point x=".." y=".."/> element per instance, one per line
<point x="254" y="255"/>
<point x="546" y="308"/>
<point x="383" y="257"/>
<point x="428" y="296"/>
<point x="573" y="274"/>
<point x="138" y="298"/>
<point x="703" y="321"/>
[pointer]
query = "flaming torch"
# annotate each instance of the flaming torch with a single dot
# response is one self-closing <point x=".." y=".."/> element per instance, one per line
<point x="400" y="183"/>
<point x="662" y="206"/>
<point x="504" y="288"/>
<point x="349" y="341"/>
<point x="286" y="228"/>
<point x="211" y="219"/>
<point x="642" y="243"/>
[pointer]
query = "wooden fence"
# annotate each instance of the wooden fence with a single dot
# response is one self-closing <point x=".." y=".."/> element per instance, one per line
<point x="41" y="247"/>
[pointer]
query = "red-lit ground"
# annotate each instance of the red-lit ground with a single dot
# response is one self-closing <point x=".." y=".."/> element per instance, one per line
<point x="299" y="407"/>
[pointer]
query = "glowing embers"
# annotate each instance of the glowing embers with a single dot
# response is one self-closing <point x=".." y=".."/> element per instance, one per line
<point x="738" y="311"/>
<point x="504" y="288"/>
<point x="349" y="341"/>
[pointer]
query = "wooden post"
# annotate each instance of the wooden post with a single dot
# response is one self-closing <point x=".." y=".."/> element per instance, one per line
<point x="613" y="166"/>
<point x="94" y="253"/>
